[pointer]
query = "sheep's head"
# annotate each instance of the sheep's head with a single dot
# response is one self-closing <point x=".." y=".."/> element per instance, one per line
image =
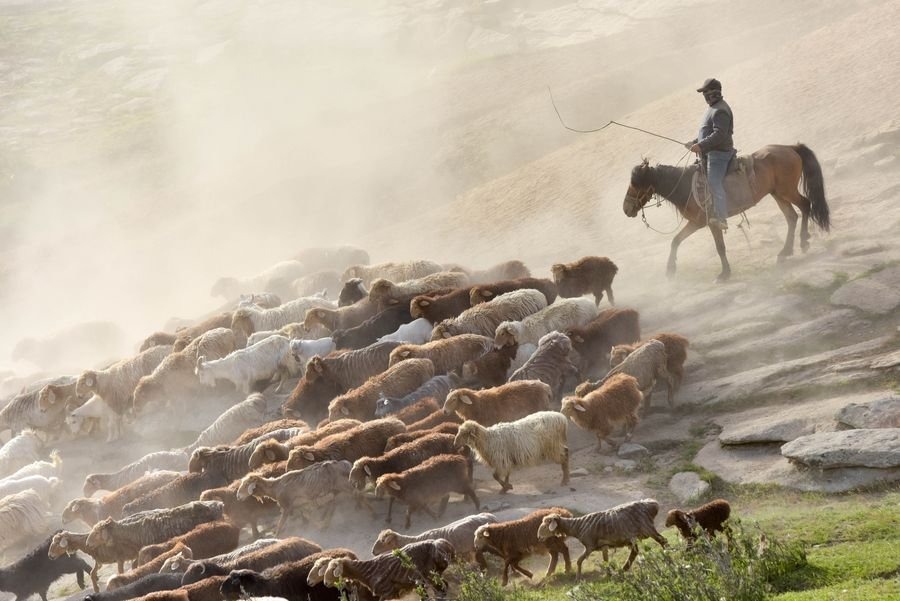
<point x="86" y="384"/>
<point x="335" y="570"/>
<point x="61" y="545"/>
<point x="418" y="306"/>
<point x="549" y="527"/>
<point x="359" y="473"/>
<point x="317" y="572"/>
<point x="301" y="457"/>
<point x="442" y="330"/>
<point x="680" y="520"/>
<point x="199" y="459"/>
<point x="48" y="397"/>
<point x="575" y="336"/>
<point x="559" y="272"/>
<point x="640" y="189"/>
<point x="384" y="406"/>
<point x="468" y="432"/>
<point x="73" y="511"/>
<point x="248" y="487"/>
<point x="386" y="541"/>
<point x="182" y="341"/>
<point x="618" y="354"/>
<point x="338" y="409"/>
<point x="586" y="388"/>
<point x="320" y="318"/>
<point x="268" y="451"/>
<point x="352" y="292"/>
<point x="242" y="321"/>
<point x="297" y="350"/>
<point x="380" y="290"/>
<point x="177" y="563"/>
<point x="480" y="294"/>
<point x="206" y="377"/>
<point x="401" y="353"/>
<point x="507" y="334"/>
<point x="387" y="485"/>
<point x="557" y="339"/>
<point x="91" y="485"/>
<point x="571" y="406"/>
<point x="240" y="584"/>
<point x="457" y="398"/>
<point x="101" y="534"/>
<point x="482" y="537"/>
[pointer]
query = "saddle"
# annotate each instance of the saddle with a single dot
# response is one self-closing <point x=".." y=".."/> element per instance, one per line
<point x="740" y="174"/>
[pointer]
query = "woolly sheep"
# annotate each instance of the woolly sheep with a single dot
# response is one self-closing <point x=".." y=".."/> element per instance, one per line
<point x="68" y="543"/>
<point x="248" y="320"/>
<point x="646" y="365"/>
<point x="436" y="388"/>
<point x="231" y="288"/>
<point x="326" y="281"/>
<point x="95" y="412"/>
<point x="343" y="318"/>
<point x="19" y="452"/>
<point x="559" y="316"/>
<point x="710" y="517"/>
<point x="676" y="354"/>
<point x="586" y="275"/>
<point x="505" y="403"/>
<point x="183" y="560"/>
<point x="488" y="292"/>
<point x="484" y="318"/>
<point x="205" y="540"/>
<point x="352" y="292"/>
<point x="151" y="567"/>
<point x="157" y="460"/>
<point x="497" y="365"/>
<point x="47" y="469"/>
<point x="382" y="323"/>
<point x="23" y="516"/>
<point x="592" y="341"/>
<point x="620" y="526"/>
<point x="399" y="380"/>
<point x="260" y="300"/>
<point x="271" y="451"/>
<point x="249" y="413"/>
<point x="617" y="401"/>
<point x="532" y="440"/>
<point x="436" y="307"/>
<point x="252" y="557"/>
<point x="46" y="487"/>
<point x="246" y="366"/>
<point x="90" y="511"/>
<point x="417" y="331"/>
<point x="367" y="439"/>
<point x="36" y="571"/>
<point x="460" y="533"/>
<point x="116" y="384"/>
<point x="508" y="270"/>
<point x="447" y="355"/>
<point x="552" y="364"/>
<point x="394" y="271"/>
<point x="304" y="350"/>
<point x="27" y="411"/>
<point x="383" y="290"/>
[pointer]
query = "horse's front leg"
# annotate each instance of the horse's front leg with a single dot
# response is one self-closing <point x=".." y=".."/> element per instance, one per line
<point x="719" y="237"/>
<point x="680" y="237"/>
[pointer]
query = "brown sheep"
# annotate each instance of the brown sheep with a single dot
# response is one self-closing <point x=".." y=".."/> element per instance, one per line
<point x="273" y="426"/>
<point x="508" y="270"/>
<point x="436" y="308"/>
<point x="433" y="479"/>
<point x="403" y="438"/>
<point x="382" y="291"/>
<point x="487" y="292"/>
<point x="206" y="540"/>
<point x="342" y="318"/>
<point x="710" y="517"/>
<point x="151" y="567"/>
<point x="492" y="368"/>
<point x="447" y="354"/>
<point x="647" y="364"/>
<point x="417" y="411"/>
<point x="676" y="354"/>
<point x="505" y="403"/>
<point x="90" y="511"/>
<point x="205" y="590"/>
<point x="271" y="451"/>
<point x="367" y="439"/>
<point x="157" y="339"/>
<point x="398" y="380"/>
<point x="593" y="341"/>
<point x="617" y="401"/>
<point x="434" y="420"/>
<point x="247" y="512"/>
<point x="586" y="275"/>
<point x="514" y="540"/>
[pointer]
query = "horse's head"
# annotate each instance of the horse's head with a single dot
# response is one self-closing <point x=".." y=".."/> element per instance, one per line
<point x="640" y="190"/>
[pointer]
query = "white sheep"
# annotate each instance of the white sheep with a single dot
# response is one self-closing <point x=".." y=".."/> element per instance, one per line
<point x="46" y="487"/>
<point x="382" y="290"/>
<point x="304" y="350"/>
<point x="417" y="331"/>
<point x="116" y="383"/>
<point x="94" y="412"/>
<point x="244" y="367"/>
<point x="47" y="469"/>
<point x="560" y="316"/>
<point x="284" y="271"/>
<point x="291" y="330"/>
<point x="485" y="317"/>
<point x="23" y="516"/>
<point x="19" y="452"/>
<point x="533" y="440"/>
<point x="248" y="320"/>
<point x="249" y="413"/>
<point x="396" y="272"/>
<point x="261" y="300"/>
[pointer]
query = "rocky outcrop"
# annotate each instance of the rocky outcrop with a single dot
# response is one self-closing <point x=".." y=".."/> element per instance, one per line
<point x="872" y="448"/>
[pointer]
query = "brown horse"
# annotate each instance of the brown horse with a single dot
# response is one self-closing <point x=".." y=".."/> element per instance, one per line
<point x="778" y="170"/>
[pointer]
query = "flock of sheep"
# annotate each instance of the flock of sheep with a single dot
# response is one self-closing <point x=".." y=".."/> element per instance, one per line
<point x="413" y="374"/>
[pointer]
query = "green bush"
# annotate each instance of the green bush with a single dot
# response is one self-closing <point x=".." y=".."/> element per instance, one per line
<point x="748" y="568"/>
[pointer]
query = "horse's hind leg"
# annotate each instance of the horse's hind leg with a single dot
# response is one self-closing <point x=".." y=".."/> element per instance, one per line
<point x="804" y="223"/>
<point x="790" y="215"/>
<point x="719" y="238"/>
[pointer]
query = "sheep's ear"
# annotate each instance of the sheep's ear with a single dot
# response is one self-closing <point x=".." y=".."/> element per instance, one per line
<point x="465" y="399"/>
<point x="405" y="354"/>
<point x="309" y="456"/>
<point x="424" y="302"/>
<point x="320" y="314"/>
<point x="89" y="381"/>
<point x="445" y="334"/>
<point x="51" y="396"/>
<point x="367" y="470"/>
<point x="486" y="293"/>
<point x="63" y="542"/>
<point x="345" y="411"/>
<point x="485" y="534"/>
<point x="394" y="485"/>
<point x="552" y="525"/>
<point x="270" y="455"/>
<point x="317" y="365"/>
<point x="580" y="407"/>
<point x="251" y="488"/>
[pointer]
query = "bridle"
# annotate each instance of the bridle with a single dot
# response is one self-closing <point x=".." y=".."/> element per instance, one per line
<point x="641" y="199"/>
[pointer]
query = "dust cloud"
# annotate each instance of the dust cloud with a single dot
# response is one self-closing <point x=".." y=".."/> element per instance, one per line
<point x="150" y="148"/>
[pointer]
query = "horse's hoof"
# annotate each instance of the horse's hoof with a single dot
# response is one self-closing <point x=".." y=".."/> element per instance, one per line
<point x="722" y="278"/>
<point x="670" y="272"/>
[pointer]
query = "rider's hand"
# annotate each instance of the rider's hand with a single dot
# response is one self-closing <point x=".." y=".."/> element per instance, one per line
<point x="687" y="145"/>
<point x="695" y="148"/>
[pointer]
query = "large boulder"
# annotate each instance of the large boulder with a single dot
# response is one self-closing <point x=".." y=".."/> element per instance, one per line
<point x="874" y="448"/>
<point x="877" y="293"/>
<point x="880" y="413"/>
<point x="762" y="431"/>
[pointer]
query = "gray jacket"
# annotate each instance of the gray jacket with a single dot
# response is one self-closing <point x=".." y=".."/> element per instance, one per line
<point x="717" y="129"/>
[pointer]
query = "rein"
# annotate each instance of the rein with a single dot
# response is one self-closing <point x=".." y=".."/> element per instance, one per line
<point x="659" y="199"/>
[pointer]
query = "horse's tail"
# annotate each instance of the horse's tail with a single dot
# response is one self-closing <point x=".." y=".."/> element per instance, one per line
<point x="814" y="187"/>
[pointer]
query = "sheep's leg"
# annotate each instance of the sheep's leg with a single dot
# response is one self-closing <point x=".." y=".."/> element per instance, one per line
<point x="648" y="393"/>
<point x="387" y="520"/>
<point x="281" y="522"/>
<point x="443" y="506"/>
<point x="565" y="466"/>
<point x="609" y="293"/>
<point x="505" y="579"/>
<point x="631" y="423"/>
<point x="79" y="577"/>
<point x="504" y="485"/>
<point x="254" y="530"/>
<point x="43" y="595"/>
<point x="554" y="558"/>
<point x="581" y="558"/>
<point x="409" y="511"/>
<point x="470" y="494"/>
<point x="659" y="538"/>
<point x="121" y="566"/>
<point x="670" y="386"/>
<point x="95" y="582"/>
<point x="631" y="556"/>
<point x="567" y="559"/>
<point x="521" y="570"/>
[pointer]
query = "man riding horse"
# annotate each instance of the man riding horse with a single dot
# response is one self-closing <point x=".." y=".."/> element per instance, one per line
<point x="715" y="146"/>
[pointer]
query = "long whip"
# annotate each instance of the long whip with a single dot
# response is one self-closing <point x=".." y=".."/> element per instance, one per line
<point x="611" y="122"/>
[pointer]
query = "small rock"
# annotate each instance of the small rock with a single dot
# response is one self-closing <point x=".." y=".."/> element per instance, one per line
<point x="877" y="293"/>
<point x="688" y="486"/>
<point x="858" y="249"/>
<point x="628" y="465"/>
<point x="875" y="448"/>
<point x="630" y="450"/>
<point x="496" y="506"/>
<point x="579" y="472"/>
<point x="608" y="469"/>
<point x="881" y="413"/>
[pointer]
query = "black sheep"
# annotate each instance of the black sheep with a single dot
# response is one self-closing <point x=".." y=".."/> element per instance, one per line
<point x="35" y="572"/>
<point x="150" y="583"/>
